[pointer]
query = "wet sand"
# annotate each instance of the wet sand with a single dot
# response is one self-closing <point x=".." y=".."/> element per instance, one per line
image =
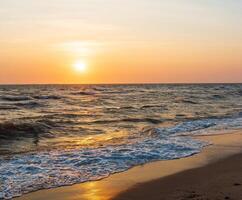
<point x="215" y="173"/>
<point x="220" y="180"/>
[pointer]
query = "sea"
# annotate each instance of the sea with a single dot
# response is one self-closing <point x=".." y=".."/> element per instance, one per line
<point x="57" y="135"/>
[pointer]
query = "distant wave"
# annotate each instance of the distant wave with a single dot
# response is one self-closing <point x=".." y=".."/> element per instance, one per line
<point x="217" y="96"/>
<point x="21" y="104"/>
<point x="8" y="107"/>
<point x="29" y="98"/>
<point x="152" y="106"/>
<point x="28" y="104"/>
<point x="16" y="98"/>
<point x="186" y="101"/>
<point x="240" y="92"/>
<point x="150" y="120"/>
<point x="99" y="89"/>
<point x="126" y="107"/>
<point x="43" y="97"/>
<point x="189" y="101"/>
<point x="83" y="93"/>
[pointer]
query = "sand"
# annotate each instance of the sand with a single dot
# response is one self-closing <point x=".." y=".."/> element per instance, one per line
<point x="215" y="173"/>
<point x="220" y="180"/>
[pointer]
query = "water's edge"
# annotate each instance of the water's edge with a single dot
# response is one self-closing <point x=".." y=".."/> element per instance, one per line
<point x="215" y="156"/>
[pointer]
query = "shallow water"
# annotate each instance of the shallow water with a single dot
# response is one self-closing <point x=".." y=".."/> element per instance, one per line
<point x="60" y="135"/>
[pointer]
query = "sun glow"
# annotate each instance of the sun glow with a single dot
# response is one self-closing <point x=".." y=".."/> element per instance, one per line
<point x="80" y="66"/>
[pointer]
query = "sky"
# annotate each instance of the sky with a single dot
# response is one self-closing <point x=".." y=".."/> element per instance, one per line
<point x="120" y="41"/>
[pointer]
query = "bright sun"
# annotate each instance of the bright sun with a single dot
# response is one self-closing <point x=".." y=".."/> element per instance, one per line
<point x="80" y="66"/>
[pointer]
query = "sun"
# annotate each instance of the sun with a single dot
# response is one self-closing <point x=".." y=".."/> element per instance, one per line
<point x="80" y="66"/>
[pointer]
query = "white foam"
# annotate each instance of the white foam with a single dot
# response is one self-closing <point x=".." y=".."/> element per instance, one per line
<point x="25" y="173"/>
<point x="21" y="174"/>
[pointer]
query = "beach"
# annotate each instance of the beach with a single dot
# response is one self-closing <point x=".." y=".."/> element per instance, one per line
<point x="215" y="173"/>
<point x="120" y="100"/>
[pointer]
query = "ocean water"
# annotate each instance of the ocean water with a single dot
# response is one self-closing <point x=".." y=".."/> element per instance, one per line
<point x="55" y="135"/>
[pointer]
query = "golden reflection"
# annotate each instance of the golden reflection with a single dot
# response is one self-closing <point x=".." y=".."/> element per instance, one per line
<point x="100" y="140"/>
<point x="93" y="191"/>
<point x="94" y="141"/>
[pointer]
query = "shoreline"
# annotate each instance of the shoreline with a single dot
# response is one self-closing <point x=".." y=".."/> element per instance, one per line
<point x="119" y="185"/>
<point x="219" y="179"/>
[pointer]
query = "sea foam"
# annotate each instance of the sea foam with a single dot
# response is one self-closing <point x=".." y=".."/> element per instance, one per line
<point x="33" y="171"/>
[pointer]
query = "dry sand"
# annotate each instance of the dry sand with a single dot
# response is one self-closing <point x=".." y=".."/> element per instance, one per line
<point x="215" y="173"/>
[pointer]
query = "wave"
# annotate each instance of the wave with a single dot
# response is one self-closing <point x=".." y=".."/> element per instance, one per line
<point x="100" y="89"/>
<point x="239" y="93"/>
<point x="14" y="130"/>
<point x="217" y="96"/>
<point x="8" y="107"/>
<point x="126" y="107"/>
<point x="189" y="127"/>
<point x="43" y="97"/>
<point x="83" y="93"/>
<point x="31" y="172"/>
<point x="16" y="98"/>
<point x="152" y="106"/>
<point x="29" y="98"/>
<point x="150" y="120"/>
<point x="28" y="104"/>
<point x="189" y="101"/>
<point x="186" y="101"/>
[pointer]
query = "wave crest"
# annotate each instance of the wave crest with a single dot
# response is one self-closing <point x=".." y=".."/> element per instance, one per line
<point x="14" y="130"/>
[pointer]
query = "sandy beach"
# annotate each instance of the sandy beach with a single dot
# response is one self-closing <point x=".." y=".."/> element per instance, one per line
<point x="219" y="180"/>
<point x="215" y="173"/>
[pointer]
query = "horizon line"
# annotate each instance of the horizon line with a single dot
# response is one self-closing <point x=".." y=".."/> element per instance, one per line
<point x="138" y="83"/>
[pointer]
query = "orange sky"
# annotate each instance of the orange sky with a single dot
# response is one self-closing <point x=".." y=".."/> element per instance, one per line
<point x="120" y="41"/>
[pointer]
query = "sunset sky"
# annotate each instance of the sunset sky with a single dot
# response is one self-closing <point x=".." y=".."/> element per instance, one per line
<point x="120" y="41"/>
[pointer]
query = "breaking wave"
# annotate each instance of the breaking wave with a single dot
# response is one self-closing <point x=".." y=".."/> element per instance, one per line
<point x="14" y="130"/>
<point x="31" y="172"/>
